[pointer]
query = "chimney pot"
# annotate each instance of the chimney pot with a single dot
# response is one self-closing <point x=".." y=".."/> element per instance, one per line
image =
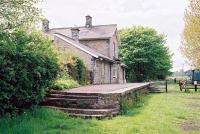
<point x="45" y="25"/>
<point x="75" y="33"/>
<point x="88" y="21"/>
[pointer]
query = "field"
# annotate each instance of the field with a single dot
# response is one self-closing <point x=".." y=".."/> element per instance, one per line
<point x="168" y="113"/>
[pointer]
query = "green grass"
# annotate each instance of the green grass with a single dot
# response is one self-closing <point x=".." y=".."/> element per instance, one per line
<point x="156" y="114"/>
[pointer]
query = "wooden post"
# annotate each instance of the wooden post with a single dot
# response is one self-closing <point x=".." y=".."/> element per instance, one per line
<point x="166" y="86"/>
<point x="180" y="86"/>
<point x="195" y="88"/>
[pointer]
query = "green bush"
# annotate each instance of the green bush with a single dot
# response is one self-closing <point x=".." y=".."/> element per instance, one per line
<point x="72" y="67"/>
<point x="62" y="84"/>
<point x="78" y="71"/>
<point x="28" y="64"/>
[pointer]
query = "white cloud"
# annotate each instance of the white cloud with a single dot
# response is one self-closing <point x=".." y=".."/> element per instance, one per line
<point x="166" y="16"/>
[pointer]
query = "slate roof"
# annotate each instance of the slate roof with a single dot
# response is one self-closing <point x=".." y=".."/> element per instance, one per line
<point x="96" y="32"/>
<point x="82" y="47"/>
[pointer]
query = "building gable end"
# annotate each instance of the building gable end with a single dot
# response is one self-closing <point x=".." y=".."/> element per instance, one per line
<point x="77" y="46"/>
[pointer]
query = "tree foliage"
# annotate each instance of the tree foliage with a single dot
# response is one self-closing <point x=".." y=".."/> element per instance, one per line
<point x="144" y="53"/>
<point x="18" y="13"/>
<point x="191" y="35"/>
<point x="28" y="64"/>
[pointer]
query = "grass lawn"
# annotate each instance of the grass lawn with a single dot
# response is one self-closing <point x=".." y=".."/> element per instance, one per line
<point x="171" y="113"/>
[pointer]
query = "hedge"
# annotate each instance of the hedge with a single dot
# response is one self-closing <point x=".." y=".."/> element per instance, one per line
<point x="28" y="64"/>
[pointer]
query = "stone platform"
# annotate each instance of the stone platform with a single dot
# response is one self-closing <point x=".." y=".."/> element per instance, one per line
<point x="98" y="101"/>
<point x="108" y="88"/>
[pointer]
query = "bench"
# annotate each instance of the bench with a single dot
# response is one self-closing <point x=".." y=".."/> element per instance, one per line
<point x="186" y="85"/>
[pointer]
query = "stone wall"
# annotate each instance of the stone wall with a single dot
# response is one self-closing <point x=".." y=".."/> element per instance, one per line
<point x="121" y="78"/>
<point x="105" y="72"/>
<point x="100" y="45"/>
<point x="114" y="45"/>
<point x="121" y="100"/>
<point x="114" y="73"/>
<point x="130" y="98"/>
<point x="107" y="47"/>
<point x="68" y="48"/>
<point x="102" y="72"/>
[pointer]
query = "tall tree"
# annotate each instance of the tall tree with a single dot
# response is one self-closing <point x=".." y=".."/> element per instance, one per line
<point x="18" y="13"/>
<point x="144" y="53"/>
<point x="191" y="35"/>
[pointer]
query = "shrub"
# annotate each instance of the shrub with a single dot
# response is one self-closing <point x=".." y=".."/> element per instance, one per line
<point x="72" y="67"/>
<point x="62" y="84"/>
<point x="78" y="71"/>
<point x="28" y="64"/>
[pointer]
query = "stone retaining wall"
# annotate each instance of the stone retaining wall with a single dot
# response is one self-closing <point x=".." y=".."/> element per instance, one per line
<point x="118" y="100"/>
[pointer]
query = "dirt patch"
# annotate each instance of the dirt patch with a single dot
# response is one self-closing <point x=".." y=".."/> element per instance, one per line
<point x="194" y="98"/>
<point x="191" y="125"/>
<point x="193" y="105"/>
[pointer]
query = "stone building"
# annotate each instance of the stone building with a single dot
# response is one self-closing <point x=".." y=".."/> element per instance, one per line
<point x="96" y="45"/>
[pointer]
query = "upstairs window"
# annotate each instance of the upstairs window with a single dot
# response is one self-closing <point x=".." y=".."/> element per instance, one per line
<point x="114" y="49"/>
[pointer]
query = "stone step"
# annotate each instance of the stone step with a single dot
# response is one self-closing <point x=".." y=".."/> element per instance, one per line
<point x="85" y="116"/>
<point x="70" y="100"/>
<point x="79" y="103"/>
<point x="88" y="111"/>
<point x="99" y="116"/>
<point x="71" y="96"/>
<point x="71" y="93"/>
<point x="73" y="103"/>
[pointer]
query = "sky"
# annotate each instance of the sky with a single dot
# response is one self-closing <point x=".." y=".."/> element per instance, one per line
<point x="166" y="16"/>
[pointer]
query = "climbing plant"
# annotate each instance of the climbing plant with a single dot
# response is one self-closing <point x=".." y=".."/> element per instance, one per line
<point x="73" y="68"/>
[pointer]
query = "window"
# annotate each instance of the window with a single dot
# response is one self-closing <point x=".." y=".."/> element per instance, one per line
<point x="114" y="49"/>
<point x="114" y="71"/>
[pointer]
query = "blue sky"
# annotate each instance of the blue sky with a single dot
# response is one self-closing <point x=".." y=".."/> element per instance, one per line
<point x="166" y="16"/>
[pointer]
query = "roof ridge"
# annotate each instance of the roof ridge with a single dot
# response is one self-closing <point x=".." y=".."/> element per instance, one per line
<point x="83" y="26"/>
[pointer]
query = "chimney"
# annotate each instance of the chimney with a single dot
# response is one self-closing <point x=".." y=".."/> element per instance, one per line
<point x="45" y="25"/>
<point x="75" y="33"/>
<point x="88" y="23"/>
